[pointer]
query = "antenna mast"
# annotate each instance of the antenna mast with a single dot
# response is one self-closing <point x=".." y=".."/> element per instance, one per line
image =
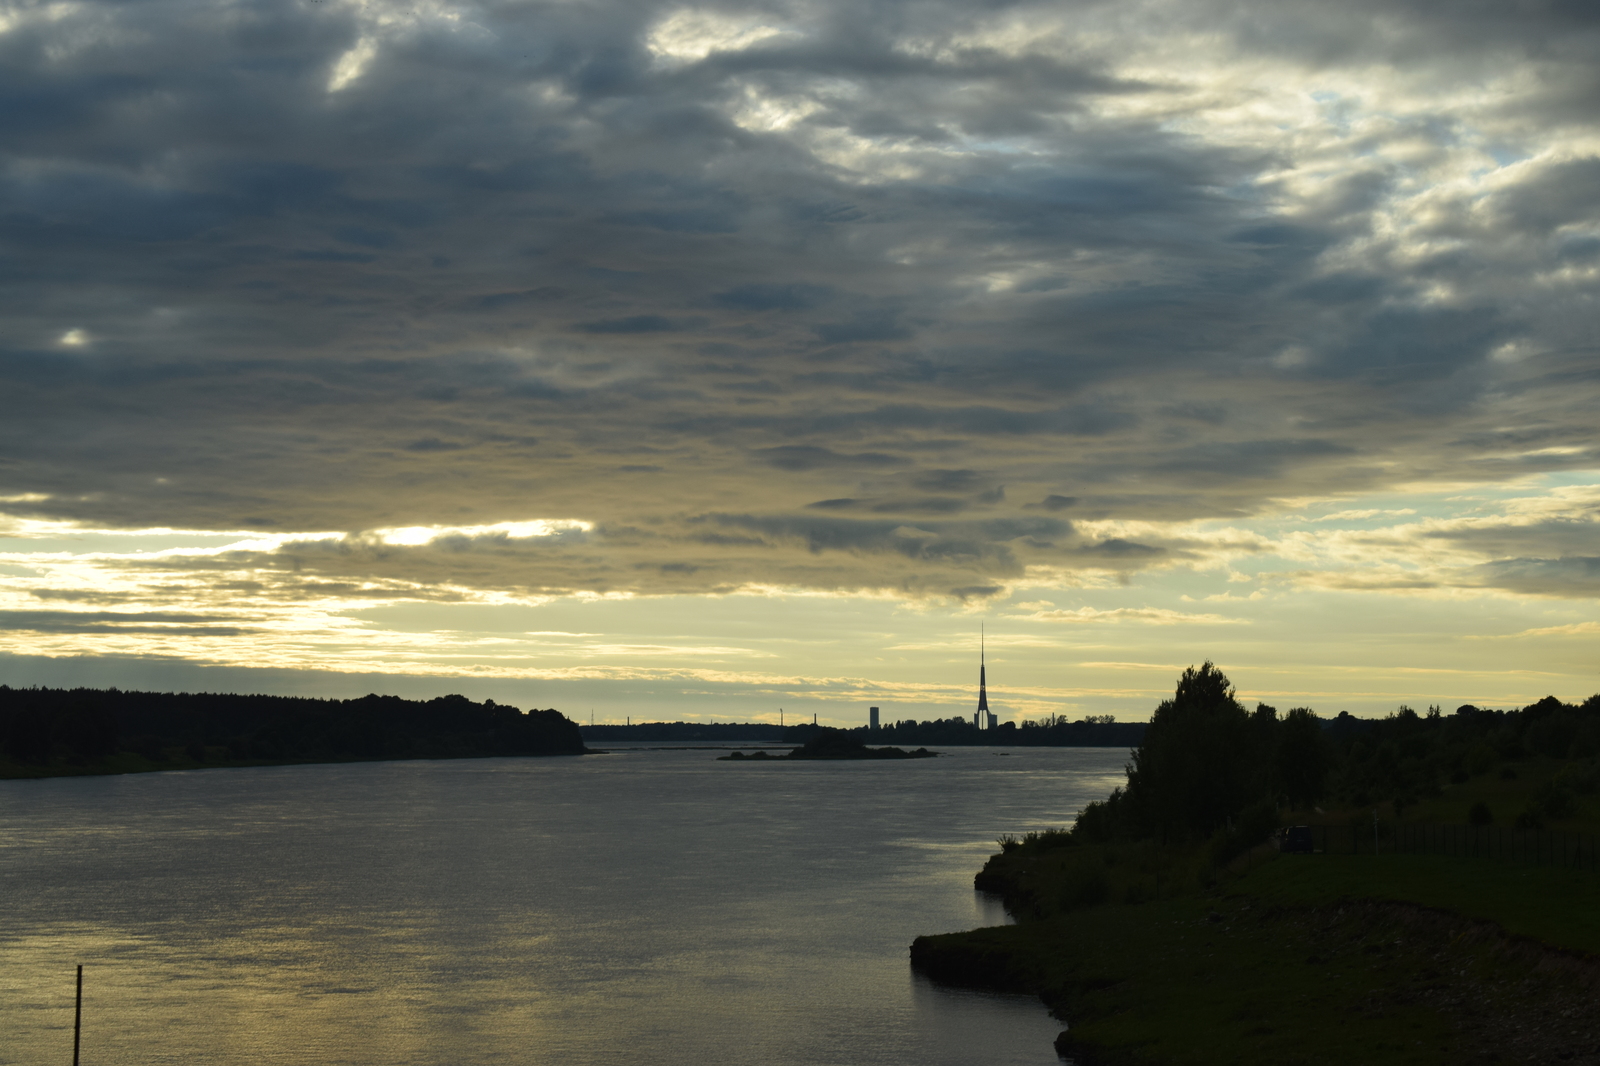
<point x="983" y="679"/>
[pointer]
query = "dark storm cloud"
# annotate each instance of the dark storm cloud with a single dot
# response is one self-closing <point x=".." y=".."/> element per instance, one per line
<point x="331" y="266"/>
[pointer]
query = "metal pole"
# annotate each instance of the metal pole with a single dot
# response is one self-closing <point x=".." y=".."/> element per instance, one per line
<point x="77" y="1017"/>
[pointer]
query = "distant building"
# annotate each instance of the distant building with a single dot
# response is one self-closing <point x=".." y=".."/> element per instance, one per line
<point x="872" y="717"/>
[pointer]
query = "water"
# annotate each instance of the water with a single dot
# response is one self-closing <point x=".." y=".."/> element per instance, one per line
<point x="648" y="906"/>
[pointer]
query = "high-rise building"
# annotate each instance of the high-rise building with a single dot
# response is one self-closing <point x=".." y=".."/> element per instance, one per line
<point x="872" y="717"/>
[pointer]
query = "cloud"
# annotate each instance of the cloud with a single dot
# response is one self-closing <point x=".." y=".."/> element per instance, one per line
<point x="1571" y="629"/>
<point x="830" y="298"/>
<point x="1153" y="616"/>
<point x="123" y="622"/>
<point x="812" y="457"/>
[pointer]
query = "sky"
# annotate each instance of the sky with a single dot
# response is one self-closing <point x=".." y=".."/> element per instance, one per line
<point x="723" y="361"/>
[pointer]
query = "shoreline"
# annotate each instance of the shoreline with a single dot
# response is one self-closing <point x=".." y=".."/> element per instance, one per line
<point x="119" y="766"/>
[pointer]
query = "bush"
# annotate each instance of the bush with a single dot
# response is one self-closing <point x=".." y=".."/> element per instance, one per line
<point x="1086" y="886"/>
<point x="1481" y="759"/>
<point x="1551" y="800"/>
<point x="1256" y="823"/>
<point x="1100" y="821"/>
<point x="1582" y="778"/>
<point x="1047" y="839"/>
<point x="1480" y="815"/>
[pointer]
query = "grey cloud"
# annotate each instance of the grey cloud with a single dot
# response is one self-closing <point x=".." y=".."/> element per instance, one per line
<point x="1568" y="537"/>
<point x="1575" y="577"/>
<point x="1412" y="344"/>
<point x="130" y="622"/>
<point x="870" y="327"/>
<point x="520" y="259"/>
<point x="922" y="505"/>
<point x="633" y="324"/>
<point x="768" y="297"/>
<point x="1558" y="195"/>
<point x="949" y="480"/>
<point x="1252" y="458"/>
<point x="812" y="457"/>
<point x="962" y="546"/>
<point x="1116" y="546"/>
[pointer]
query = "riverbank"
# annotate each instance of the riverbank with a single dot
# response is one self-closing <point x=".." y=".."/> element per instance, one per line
<point x="1389" y="959"/>
<point x="835" y="744"/>
<point x="82" y="732"/>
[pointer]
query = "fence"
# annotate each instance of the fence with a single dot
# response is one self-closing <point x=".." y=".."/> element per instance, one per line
<point x="1542" y="847"/>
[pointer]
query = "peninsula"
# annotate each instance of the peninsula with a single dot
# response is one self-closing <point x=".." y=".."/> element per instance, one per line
<point x="1434" y="907"/>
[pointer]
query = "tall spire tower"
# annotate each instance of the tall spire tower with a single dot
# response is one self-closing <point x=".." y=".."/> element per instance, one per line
<point x="983" y="680"/>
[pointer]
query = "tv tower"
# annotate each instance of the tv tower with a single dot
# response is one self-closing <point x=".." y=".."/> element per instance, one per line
<point x="981" y="717"/>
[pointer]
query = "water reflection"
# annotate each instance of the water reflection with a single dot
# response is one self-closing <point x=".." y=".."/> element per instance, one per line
<point x="656" y="908"/>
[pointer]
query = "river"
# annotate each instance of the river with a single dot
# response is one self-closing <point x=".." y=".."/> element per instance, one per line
<point x="647" y="906"/>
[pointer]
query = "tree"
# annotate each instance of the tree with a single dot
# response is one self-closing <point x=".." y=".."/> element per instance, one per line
<point x="1200" y="762"/>
<point x="1302" y="762"/>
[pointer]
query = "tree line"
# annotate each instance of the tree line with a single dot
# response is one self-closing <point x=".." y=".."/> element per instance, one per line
<point x="1094" y="731"/>
<point x="1207" y="765"/>
<point x="100" y="730"/>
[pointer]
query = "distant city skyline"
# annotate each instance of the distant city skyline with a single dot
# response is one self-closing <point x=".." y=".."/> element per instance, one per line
<point x="689" y="361"/>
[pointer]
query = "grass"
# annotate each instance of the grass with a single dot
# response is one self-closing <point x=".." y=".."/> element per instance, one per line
<point x="1169" y="955"/>
<point x="1196" y="981"/>
<point x="1557" y="907"/>
<point x="1393" y="959"/>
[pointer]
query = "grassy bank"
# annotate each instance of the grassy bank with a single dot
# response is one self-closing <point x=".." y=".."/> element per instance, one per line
<point x="1204" y="953"/>
<point x="1303" y="959"/>
<point x="1164" y="930"/>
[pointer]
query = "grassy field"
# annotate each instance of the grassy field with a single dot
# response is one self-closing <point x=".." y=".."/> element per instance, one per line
<point x="1553" y="906"/>
<point x="1166" y="955"/>
<point x="1315" y="959"/>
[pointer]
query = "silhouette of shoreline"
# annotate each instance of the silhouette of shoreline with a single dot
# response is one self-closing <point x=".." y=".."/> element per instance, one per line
<point x="68" y="732"/>
<point x="834" y="744"/>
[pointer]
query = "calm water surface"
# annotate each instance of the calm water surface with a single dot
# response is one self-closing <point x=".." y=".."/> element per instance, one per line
<point x="648" y="906"/>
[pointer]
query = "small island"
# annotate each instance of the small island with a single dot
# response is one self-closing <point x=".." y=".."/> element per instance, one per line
<point x="834" y="744"/>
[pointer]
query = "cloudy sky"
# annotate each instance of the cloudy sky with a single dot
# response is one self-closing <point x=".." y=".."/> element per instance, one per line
<point x="697" y="360"/>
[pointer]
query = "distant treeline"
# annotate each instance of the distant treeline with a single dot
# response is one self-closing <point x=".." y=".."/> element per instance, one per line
<point x="682" y="732"/>
<point x="1092" y="732"/>
<point x="46" y="731"/>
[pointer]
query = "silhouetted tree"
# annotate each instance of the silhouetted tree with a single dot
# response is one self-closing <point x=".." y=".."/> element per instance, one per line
<point x="1302" y="758"/>
<point x="1199" y="762"/>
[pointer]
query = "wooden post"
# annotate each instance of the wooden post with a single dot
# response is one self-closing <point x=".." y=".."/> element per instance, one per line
<point x="77" y="1017"/>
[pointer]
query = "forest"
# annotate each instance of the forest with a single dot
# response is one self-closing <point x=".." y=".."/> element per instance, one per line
<point x="46" y="731"/>
<point x="1207" y="764"/>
